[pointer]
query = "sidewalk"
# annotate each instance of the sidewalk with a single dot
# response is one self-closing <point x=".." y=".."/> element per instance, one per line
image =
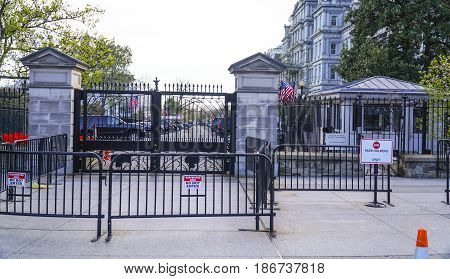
<point x="308" y="224"/>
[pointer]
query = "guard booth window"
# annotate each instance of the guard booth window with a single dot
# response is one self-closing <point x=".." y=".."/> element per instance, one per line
<point x="376" y="118"/>
<point x="333" y="118"/>
<point x="397" y="112"/>
<point x="357" y="110"/>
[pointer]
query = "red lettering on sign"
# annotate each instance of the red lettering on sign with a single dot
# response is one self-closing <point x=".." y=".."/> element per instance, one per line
<point x="192" y="179"/>
<point x="16" y="175"/>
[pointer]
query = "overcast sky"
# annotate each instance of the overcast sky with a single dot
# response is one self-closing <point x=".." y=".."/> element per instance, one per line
<point x="192" y="40"/>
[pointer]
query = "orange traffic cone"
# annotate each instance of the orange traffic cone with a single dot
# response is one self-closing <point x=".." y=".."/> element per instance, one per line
<point x="422" y="244"/>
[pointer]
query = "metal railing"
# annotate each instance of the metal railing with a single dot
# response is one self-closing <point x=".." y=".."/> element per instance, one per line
<point x="138" y="192"/>
<point x="326" y="168"/>
<point x="50" y="194"/>
<point x="36" y="166"/>
<point x="259" y="146"/>
<point x="443" y="164"/>
<point x="256" y="146"/>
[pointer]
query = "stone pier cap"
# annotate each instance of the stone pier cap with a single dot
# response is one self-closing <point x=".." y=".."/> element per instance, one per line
<point x="51" y="68"/>
<point x="257" y="72"/>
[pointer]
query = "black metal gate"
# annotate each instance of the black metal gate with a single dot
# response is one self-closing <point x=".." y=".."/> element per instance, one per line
<point x="118" y="118"/>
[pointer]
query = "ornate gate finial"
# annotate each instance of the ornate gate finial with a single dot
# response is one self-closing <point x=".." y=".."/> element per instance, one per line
<point x="156" y="81"/>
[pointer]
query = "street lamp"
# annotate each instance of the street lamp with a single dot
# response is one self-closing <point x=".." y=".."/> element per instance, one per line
<point x="302" y="85"/>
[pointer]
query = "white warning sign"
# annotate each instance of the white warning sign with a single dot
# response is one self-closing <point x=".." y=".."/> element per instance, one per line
<point x="192" y="182"/>
<point x="16" y="179"/>
<point x="376" y="151"/>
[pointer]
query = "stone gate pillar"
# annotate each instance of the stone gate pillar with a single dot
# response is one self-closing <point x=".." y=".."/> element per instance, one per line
<point x="54" y="76"/>
<point x="257" y="85"/>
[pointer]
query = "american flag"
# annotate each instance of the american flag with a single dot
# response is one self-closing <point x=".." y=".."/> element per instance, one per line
<point x="287" y="93"/>
<point x="134" y="102"/>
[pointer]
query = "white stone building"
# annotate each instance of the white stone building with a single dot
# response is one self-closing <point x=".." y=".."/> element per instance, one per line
<point x="316" y="34"/>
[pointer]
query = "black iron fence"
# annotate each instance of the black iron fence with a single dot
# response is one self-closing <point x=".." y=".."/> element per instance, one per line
<point x="415" y="125"/>
<point x="327" y="168"/>
<point x="139" y="192"/>
<point x="13" y="113"/>
<point x="443" y="164"/>
<point x="46" y="165"/>
<point x="51" y="194"/>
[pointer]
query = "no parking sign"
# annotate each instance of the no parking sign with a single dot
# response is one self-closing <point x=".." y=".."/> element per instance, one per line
<point x="376" y="151"/>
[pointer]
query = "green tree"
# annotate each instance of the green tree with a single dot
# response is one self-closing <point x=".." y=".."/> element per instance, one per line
<point x="437" y="79"/>
<point x="396" y="38"/>
<point x="107" y="60"/>
<point x="25" y="24"/>
<point x="172" y="106"/>
<point x="437" y="83"/>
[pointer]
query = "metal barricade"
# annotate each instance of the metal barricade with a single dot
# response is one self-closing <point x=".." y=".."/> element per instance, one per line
<point x="136" y="190"/>
<point x="56" y="192"/>
<point x="326" y="168"/>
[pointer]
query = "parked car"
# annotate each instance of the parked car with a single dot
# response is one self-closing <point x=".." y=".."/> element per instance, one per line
<point x="112" y="127"/>
<point x="167" y="126"/>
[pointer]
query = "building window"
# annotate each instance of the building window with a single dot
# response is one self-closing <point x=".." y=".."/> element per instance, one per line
<point x="397" y="117"/>
<point x="376" y="118"/>
<point x="333" y="48"/>
<point x="333" y="20"/>
<point x="332" y="74"/>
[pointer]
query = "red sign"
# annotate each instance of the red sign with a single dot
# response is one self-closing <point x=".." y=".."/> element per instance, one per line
<point x="376" y="145"/>
<point x="190" y="178"/>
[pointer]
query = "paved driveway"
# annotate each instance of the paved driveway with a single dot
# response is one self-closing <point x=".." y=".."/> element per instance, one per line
<point x="308" y="224"/>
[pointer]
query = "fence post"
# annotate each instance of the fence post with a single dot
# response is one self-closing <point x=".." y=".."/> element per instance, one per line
<point x="405" y="120"/>
<point x="54" y="77"/>
<point x="424" y="126"/>
<point x="156" y="110"/>
<point x="257" y="84"/>
<point x="447" y="168"/>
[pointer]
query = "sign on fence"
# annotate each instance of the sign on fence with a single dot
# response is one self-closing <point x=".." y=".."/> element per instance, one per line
<point x="336" y="139"/>
<point x="16" y="179"/>
<point x="192" y="182"/>
<point x="376" y="151"/>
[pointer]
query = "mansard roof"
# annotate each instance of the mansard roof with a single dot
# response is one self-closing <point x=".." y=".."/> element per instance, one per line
<point x="377" y="85"/>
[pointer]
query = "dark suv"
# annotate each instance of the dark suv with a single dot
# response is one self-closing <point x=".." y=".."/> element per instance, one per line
<point x="112" y="127"/>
